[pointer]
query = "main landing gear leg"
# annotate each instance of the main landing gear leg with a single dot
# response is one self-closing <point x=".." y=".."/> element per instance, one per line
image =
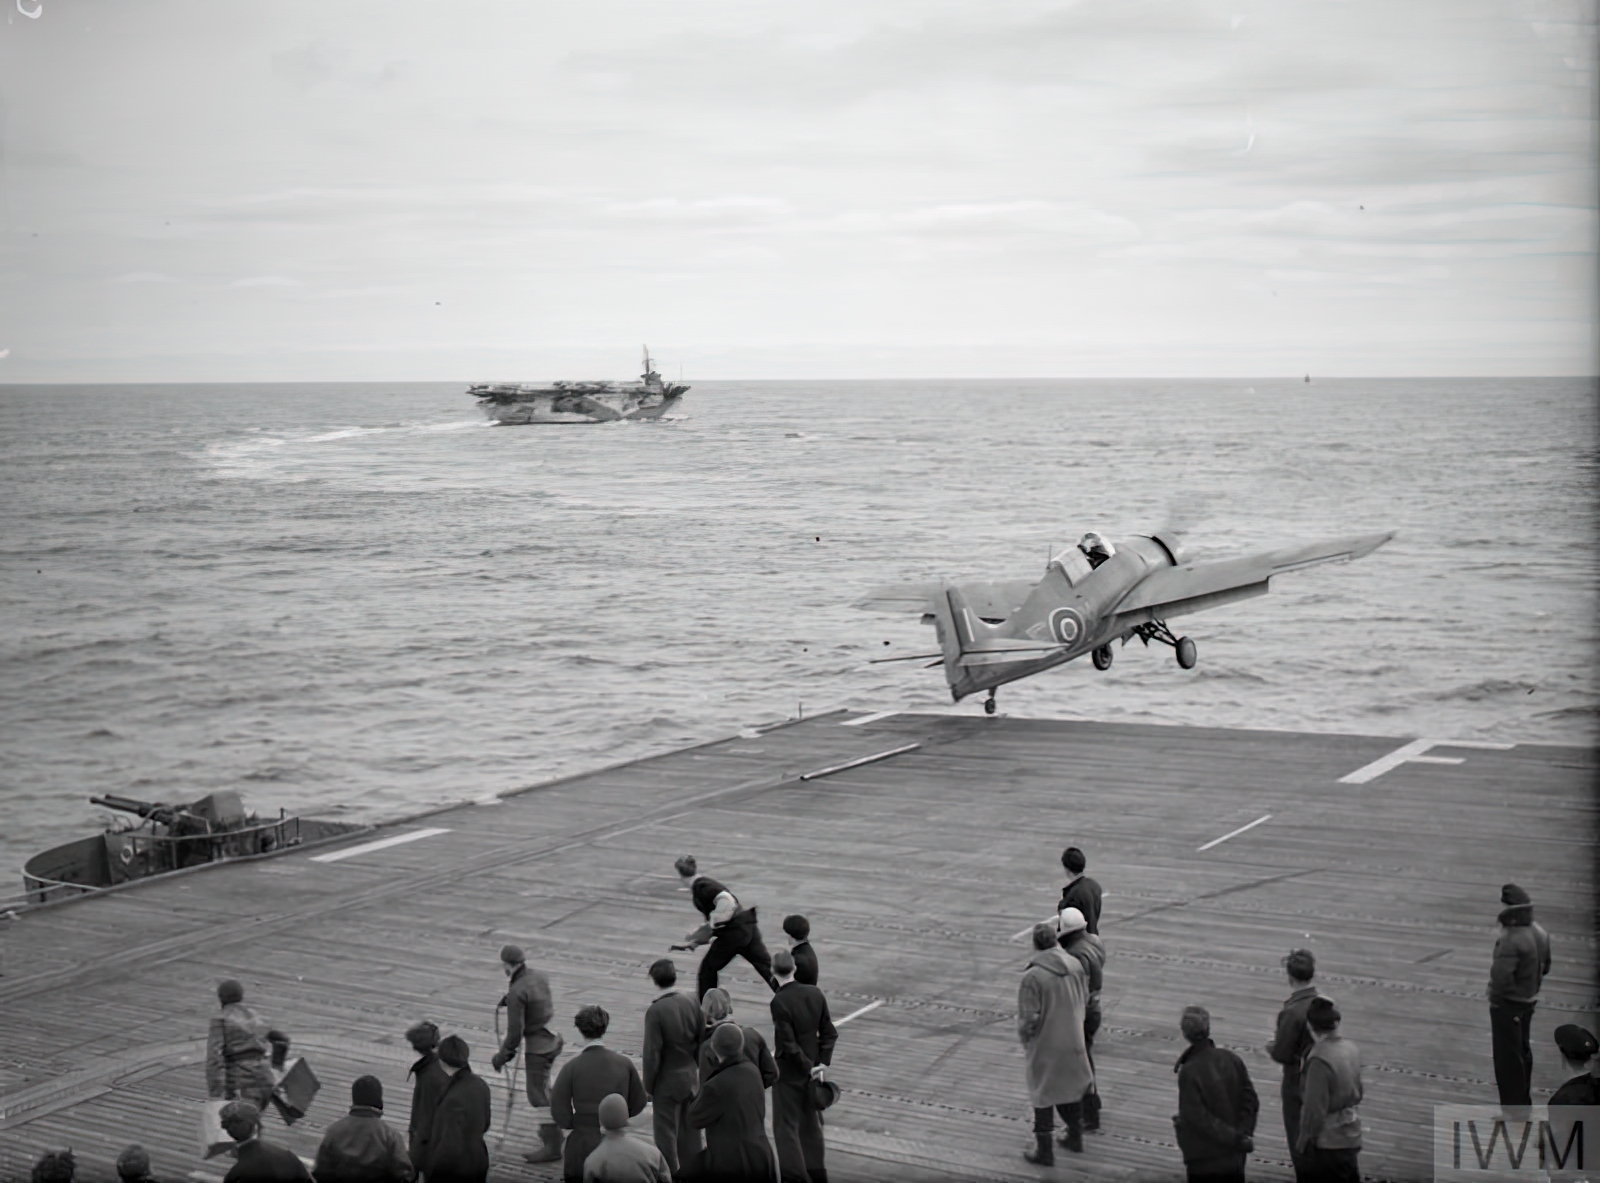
<point x="1157" y="630"/>
<point x="989" y="703"/>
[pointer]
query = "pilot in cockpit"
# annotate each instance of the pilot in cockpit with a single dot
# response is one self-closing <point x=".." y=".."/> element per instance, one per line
<point x="1095" y="548"/>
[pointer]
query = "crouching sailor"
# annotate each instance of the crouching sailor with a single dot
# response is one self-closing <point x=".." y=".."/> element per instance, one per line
<point x="732" y="930"/>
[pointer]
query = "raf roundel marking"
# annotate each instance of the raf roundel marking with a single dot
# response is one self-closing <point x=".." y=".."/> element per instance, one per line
<point x="1066" y="625"/>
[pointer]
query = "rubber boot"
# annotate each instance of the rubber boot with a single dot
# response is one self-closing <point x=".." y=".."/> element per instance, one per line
<point x="1073" y="1139"/>
<point x="550" y="1140"/>
<point x="1043" y="1154"/>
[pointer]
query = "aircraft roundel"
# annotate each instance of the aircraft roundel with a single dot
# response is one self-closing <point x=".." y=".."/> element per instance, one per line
<point x="1066" y="626"/>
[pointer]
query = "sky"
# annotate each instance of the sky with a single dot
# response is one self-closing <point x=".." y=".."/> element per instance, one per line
<point x="997" y="188"/>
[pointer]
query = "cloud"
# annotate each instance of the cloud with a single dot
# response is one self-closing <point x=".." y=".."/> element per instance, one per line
<point x="265" y="281"/>
<point x="143" y="277"/>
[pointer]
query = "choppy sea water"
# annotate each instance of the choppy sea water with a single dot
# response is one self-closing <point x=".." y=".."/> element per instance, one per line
<point x="364" y="598"/>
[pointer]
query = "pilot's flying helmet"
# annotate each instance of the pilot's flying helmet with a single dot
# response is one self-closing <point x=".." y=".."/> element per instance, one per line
<point x="1092" y="542"/>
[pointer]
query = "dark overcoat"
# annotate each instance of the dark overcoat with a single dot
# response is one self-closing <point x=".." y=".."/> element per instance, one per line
<point x="431" y="1081"/>
<point x="583" y="1082"/>
<point x="262" y="1162"/>
<point x="457" y="1152"/>
<point x="732" y="1109"/>
<point x="672" y="1032"/>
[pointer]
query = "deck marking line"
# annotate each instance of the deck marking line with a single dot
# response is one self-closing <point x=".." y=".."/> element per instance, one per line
<point x="1234" y="833"/>
<point x="872" y="759"/>
<point x="869" y="719"/>
<point x="1437" y="760"/>
<point x="380" y="844"/>
<point x="1411" y="752"/>
<point x="856" y="1014"/>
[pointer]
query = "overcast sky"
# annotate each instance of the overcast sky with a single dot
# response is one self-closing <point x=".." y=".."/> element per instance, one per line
<point x="989" y="188"/>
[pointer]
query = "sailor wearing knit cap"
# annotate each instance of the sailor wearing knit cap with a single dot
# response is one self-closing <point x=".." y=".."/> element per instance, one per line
<point x="361" y="1147"/>
<point x="1521" y="959"/>
<point x="258" y="1161"/>
<point x="619" y="1158"/>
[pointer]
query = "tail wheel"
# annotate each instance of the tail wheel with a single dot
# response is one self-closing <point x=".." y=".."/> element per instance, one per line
<point x="1187" y="654"/>
<point x="989" y="704"/>
<point x="1102" y="658"/>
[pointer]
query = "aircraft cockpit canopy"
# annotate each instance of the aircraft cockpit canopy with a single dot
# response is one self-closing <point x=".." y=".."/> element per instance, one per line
<point x="1095" y="548"/>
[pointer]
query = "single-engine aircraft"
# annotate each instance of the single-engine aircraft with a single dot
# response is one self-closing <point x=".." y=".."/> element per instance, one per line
<point x="1092" y="594"/>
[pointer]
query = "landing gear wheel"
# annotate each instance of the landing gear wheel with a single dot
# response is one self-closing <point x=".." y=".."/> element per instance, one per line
<point x="989" y="704"/>
<point x="1187" y="655"/>
<point x="1102" y="658"/>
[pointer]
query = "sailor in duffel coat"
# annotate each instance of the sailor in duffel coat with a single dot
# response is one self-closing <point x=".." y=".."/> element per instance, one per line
<point x="731" y="928"/>
<point x="672" y="1035"/>
<point x="1050" y="1006"/>
<point x="583" y="1082"/>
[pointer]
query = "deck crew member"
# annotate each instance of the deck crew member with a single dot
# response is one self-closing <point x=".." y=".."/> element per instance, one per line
<point x="528" y="1010"/>
<point x="457" y="1151"/>
<point x="361" y="1147"/>
<point x="1521" y="960"/>
<point x="583" y="1082"/>
<point x="431" y="1081"/>
<point x="133" y="1165"/>
<point x="1578" y="1049"/>
<point x="716" y="1008"/>
<point x="1050" y="1004"/>
<point x="55" y="1166"/>
<point x="257" y="1161"/>
<point x="1330" y="1119"/>
<point x="1090" y="950"/>
<point x="1081" y="892"/>
<point x="619" y="1158"/>
<point x="672" y="1032"/>
<point x="731" y="929"/>
<point x="1217" y="1105"/>
<point x="732" y="1109"/>
<point x="798" y="930"/>
<point x="1291" y="1042"/>
<point x="804" y="1035"/>
<point x="237" y="1049"/>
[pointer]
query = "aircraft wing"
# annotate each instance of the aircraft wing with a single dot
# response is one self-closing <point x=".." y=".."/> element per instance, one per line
<point x="1170" y="591"/>
<point x="993" y="600"/>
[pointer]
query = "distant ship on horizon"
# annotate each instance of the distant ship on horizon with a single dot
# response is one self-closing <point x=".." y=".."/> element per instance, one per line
<point x="514" y="404"/>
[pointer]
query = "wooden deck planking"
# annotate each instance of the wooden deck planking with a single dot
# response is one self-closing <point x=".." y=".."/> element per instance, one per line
<point x="904" y="868"/>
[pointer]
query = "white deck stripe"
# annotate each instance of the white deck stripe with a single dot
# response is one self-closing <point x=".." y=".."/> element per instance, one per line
<point x="869" y="719"/>
<point x="381" y="844"/>
<point x="1235" y="833"/>
<point x="856" y="1014"/>
<point x="1414" y="752"/>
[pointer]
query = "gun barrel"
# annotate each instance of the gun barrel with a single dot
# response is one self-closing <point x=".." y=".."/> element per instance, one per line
<point x="126" y="804"/>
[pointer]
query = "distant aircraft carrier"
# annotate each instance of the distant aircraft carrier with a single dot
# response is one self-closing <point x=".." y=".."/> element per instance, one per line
<point x="579" y="402"/>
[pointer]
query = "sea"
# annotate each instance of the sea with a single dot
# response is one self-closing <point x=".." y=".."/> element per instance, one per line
<point x="363" y="600"/>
